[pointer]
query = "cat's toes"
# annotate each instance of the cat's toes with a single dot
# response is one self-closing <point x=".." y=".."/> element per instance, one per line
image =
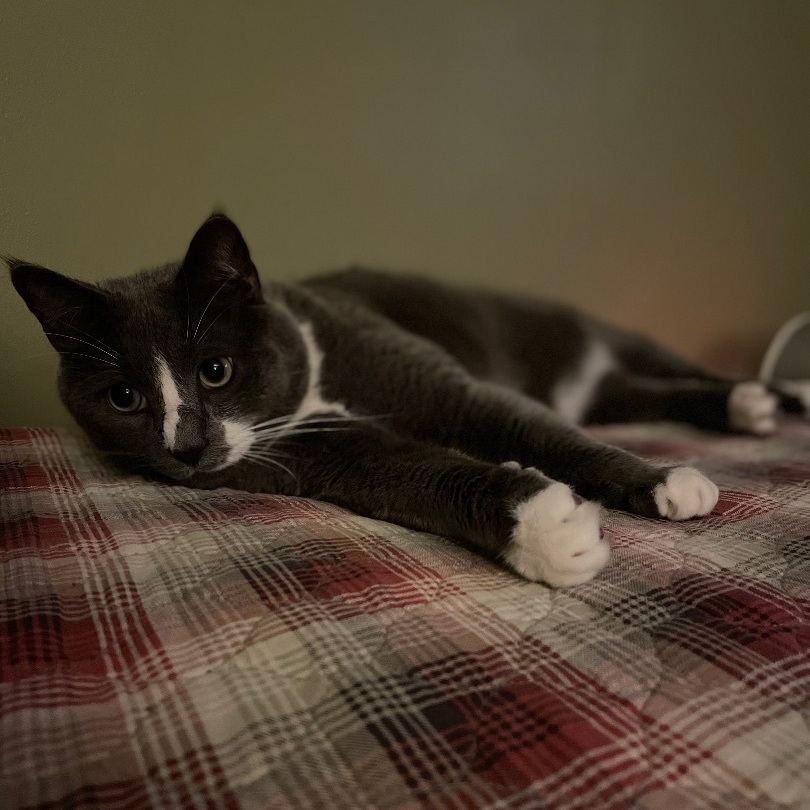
<point x="555" y="540"/>
<point x="752" y="409"/>
<point x="686" y="493"/>
<point x="518" y="467"/>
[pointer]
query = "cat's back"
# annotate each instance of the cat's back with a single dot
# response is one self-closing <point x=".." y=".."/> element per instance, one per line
<point x="489" y="333"/>
<point x="458" y="321"/>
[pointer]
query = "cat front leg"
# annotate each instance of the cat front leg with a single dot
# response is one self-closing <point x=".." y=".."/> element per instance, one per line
<point x="499" y="424"/>
<point x="534" y="525"/>
<point x="555" y="539"/>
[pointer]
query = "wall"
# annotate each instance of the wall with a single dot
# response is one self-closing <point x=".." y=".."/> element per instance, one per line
<point x="647" y="161"/>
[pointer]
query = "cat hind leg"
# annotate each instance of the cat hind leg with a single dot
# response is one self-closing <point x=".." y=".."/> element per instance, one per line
<point x="752" y="409"/>
<point x="741" y="407"/>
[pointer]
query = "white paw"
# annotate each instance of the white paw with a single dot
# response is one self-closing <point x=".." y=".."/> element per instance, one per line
<point x="685" y="494"/>
<point x="556" y="541"/>
<point x="752" y="409"/>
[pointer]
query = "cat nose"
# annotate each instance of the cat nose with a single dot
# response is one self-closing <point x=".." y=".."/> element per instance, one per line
<point x="190" y="453"/>
<point x="190" y="437"/>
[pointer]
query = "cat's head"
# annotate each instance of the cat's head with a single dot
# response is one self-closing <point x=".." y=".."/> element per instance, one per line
<point x="168" y="369"/>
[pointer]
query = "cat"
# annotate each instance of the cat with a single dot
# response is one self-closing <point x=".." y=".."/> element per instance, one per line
<point x="445" y="410"/>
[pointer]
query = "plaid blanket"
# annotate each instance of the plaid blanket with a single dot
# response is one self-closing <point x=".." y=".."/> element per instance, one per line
<point x="161" y="646"/>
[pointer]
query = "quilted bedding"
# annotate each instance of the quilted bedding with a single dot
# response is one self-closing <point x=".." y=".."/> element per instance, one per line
<point x="165" y="647"/>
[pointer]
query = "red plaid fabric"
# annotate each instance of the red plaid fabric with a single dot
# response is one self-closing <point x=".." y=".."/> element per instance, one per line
<point x="165" y="647"/>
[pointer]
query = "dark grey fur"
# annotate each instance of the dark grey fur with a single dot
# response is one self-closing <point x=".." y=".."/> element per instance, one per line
<point x="450" y="384"/>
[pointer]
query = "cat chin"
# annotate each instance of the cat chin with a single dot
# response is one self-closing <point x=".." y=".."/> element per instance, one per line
<point x="183" y="474"/>
<point x="202" y="469"/>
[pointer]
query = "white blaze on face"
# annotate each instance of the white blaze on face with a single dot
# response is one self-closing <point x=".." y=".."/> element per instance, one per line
<point x="171" y="401"/>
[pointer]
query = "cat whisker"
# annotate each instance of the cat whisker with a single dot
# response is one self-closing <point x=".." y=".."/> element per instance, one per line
<point x="263" y="460"/>
<point x="210" y="301"/>
<point x="100" y="343"/>
<point x="286" y="434"/>
<point x="86" y="342"/>
<point x="200" y="339"/>
<point x="266" y="453"/>
<point x="92" y="357"/>
<point x="264" y="447"/>
<point x="291" y="424"/>
<point x="188" y="302"/>
<point x="34" y="355"/>
<point x="312" y="420"/>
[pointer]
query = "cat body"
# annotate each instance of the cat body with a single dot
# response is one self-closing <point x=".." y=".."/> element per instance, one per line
<point x="450" y="411"/>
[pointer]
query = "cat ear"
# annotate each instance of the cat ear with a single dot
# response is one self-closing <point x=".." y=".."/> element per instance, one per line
<point x="67" y="309"/>
<point x="218" y="253"/>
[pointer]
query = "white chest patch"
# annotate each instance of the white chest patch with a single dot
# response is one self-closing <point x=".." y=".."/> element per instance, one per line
<point x="313" y="401"/>
<point x="573" y="395"/>
<point x="171" y="401"/>
<point x="241" y="435"/>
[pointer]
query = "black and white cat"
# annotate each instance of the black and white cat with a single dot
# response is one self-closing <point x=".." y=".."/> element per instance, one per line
<point x="444" y="410"/>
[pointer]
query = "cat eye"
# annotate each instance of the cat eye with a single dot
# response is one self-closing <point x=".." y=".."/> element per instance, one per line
<point x="125" y="398"/>
<point x="216" y="371"/>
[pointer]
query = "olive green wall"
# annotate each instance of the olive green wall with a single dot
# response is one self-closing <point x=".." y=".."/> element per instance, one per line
<point x="648" y="160"/>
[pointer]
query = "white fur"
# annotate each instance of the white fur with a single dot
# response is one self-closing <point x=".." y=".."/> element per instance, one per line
<point x="239" y="438"/>
<point x="171" y="401"/>
<point x="572" y="396"/>
<point x="797" y="388"/>
<point x="555" y="540"/>
<point x="313" y="401"/>
<point x="685" y="494"/>
<point x="752" y="409"/>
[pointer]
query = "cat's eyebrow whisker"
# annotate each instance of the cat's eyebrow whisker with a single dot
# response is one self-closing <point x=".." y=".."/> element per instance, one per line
<point x="188" y="301"/>
<point x="96" y="343"/>
<point x="87" y="342"/>
<point x="97" y="359"/>
<point x="100" y="343"/>
<point x="210" y="301"/>
<point x="200" y="338"/>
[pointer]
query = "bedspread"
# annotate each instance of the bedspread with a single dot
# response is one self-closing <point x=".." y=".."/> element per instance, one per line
<point x="165" y="647"/>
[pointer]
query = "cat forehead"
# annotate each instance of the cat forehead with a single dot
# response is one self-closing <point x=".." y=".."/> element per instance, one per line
<point x="155" y="281"/>
<point x="152" y="303"/>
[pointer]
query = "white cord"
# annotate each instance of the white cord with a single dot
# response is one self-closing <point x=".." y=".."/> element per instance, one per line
<point x="777" y="346"/>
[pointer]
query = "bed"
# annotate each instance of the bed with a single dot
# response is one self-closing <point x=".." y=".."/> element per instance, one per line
<point x="165" y="647"/>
